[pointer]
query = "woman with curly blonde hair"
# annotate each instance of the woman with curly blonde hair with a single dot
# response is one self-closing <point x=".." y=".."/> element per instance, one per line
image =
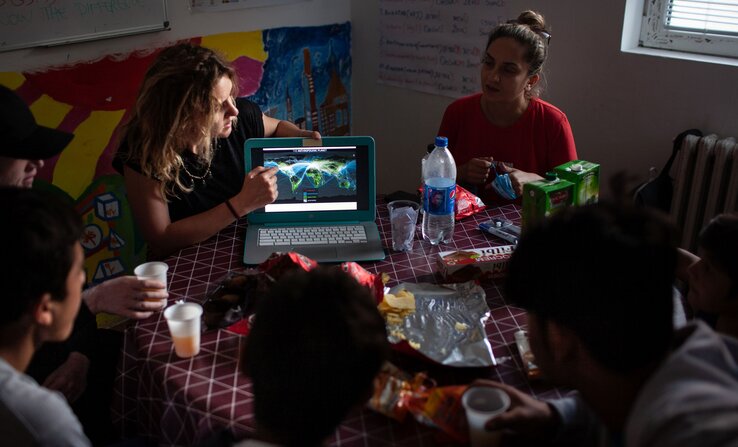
<point x="182" y="150"/>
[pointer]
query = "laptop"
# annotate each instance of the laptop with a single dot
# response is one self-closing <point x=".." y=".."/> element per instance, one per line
<point x="326" y="204"/>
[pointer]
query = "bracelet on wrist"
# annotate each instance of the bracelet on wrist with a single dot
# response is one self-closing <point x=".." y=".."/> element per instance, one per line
<point x="232" y="209"/>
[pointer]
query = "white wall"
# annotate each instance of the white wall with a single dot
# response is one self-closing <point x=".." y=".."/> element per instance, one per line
<point x="624" y="108"/>
<point x="183" y="24"/>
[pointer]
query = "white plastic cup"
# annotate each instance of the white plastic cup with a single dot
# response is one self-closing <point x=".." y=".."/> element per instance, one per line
<point x="153" y="270"/>
<point x="483" y="403"/>
<point x="183" y="320"/>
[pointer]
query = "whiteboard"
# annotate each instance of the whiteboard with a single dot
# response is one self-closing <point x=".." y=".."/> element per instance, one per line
<point x="33" y="23"/>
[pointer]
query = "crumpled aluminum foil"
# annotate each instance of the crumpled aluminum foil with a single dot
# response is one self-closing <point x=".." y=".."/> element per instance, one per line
<point x="433" y="330"/>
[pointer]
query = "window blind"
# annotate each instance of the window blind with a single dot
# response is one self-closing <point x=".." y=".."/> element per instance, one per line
<point x="702" y="16"/>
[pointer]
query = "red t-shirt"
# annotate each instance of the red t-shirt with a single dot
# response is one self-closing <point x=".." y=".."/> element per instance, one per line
<point x="540" y="140"/>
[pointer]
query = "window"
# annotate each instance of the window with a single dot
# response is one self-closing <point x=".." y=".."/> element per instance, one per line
<point x="694" y="26"/>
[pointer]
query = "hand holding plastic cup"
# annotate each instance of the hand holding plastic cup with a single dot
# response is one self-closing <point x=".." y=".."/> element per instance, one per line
<point x="483" y="403"/>
<point x="403" y="218"/>
<point x="183" y="320"/>
<point x="153" y="270"/>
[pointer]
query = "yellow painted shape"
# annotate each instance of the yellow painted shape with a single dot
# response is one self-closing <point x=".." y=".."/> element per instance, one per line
<point x="11" y="79"/>
<point x="75" y="170"/>
<point x="49" y="112"/>
<point x="234" y="45"/>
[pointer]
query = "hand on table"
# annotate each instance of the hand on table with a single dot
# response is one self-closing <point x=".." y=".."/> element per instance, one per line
<point x="70" y="378"/>
<point x="518" y="178"/>
<point x="476" y="170"/>
<point x="259" y="189"/>
<point x="127" y="296"/>
<point x="527" y="418"/>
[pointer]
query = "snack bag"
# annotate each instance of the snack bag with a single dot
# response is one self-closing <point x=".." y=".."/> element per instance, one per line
<point x="466" y="204"/>
<point x="441" y="407"/>
<point x="373" y="282"/>
<point x="279" y="263"/>
<point x="392" y="391"/>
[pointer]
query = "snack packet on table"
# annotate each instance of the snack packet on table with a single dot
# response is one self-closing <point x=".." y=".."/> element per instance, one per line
<point x="397" y="393"/>
<point x="466" y="203"/>
<point x="257" y="281"/>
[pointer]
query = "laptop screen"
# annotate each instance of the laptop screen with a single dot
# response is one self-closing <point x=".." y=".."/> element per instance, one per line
<point x="318" y="178"/>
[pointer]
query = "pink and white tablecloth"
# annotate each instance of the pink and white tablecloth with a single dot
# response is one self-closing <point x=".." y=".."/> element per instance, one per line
<point x="181" y="401"/>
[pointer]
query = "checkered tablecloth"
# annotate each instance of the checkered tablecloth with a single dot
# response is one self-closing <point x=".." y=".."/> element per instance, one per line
<point x="180" y="401"/>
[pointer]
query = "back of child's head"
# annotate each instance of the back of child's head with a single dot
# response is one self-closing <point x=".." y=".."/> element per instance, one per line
<point x="315" y="346"/>
<point x="38" y="233"/>
<point x="719" y="242"/>
<point x="606" y="273"/>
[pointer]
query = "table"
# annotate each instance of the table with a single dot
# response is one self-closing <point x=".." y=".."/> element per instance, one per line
<point x="181" y="401"/>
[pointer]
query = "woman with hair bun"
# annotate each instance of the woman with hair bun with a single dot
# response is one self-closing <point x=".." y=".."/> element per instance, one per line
<point x="506" y="122"/>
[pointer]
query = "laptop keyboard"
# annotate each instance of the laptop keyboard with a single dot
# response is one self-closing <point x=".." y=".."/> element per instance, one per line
<point x="320" y="235"/>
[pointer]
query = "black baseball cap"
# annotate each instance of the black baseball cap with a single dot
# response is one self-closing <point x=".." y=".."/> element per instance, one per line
<point x="20" y="135"/>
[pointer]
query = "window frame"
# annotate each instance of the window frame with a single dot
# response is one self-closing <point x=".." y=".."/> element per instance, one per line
<point x="654" y="34"/>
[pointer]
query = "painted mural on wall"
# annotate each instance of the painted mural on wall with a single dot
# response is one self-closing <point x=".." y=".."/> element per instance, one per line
<point x="300" y="74"/>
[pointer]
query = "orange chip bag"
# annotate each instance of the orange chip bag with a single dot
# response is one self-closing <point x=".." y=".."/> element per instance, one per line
<point x="441" y="407"/>
<point x="393" y="389"/>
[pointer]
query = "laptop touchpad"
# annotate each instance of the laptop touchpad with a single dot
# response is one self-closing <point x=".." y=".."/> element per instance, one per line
<point x="318" y="253"/>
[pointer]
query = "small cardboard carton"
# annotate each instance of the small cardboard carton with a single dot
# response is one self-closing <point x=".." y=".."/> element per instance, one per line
<point x="543" y="198"/>
<point x="586" y="178"/>
<point x="475" y="263"/>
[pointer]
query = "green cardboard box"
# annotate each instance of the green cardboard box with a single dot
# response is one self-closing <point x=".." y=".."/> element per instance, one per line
<point x="543" y="198"/>
<point x="586" y="178"/>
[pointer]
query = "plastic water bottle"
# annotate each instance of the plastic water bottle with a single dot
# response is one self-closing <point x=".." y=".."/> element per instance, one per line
<point x="439" y="194"/>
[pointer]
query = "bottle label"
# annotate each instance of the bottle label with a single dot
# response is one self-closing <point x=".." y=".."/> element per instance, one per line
<point x="439" y="201"/>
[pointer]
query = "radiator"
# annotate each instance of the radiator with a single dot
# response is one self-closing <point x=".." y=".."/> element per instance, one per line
<point x="705" y="184"/>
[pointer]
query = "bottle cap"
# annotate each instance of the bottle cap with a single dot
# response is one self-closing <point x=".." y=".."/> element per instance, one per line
<point x="551" y="176"/>
<point x="441" y="141"/>
<point x="576" y="167"/>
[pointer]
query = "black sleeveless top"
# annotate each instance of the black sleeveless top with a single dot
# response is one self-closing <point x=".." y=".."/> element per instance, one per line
<point x="227" y="170"/>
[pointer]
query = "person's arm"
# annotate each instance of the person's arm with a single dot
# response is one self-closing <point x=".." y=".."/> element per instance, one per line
<point x="561" y="149"/>
<point x="280" y="128"/>
<point x="151" y="212"/>
<point x="519" y="178"/>
<point x="126" y="296"/>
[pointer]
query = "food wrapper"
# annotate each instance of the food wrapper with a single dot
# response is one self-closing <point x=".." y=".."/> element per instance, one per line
<point x="397" y="393"/>
<point x="235" y="295"/>
<point x="393" y="389"/>
<point x="447" y="326"/>
<point x="441" y="407"/>
<point x="373" y="282"/>
<point x="280" y="263"/>
<point x="475" y="263"/>
<point x="466" y="203"/>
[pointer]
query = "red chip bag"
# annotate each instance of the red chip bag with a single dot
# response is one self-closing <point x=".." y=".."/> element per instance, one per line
<point x="280" y="263"/>
<point x="366" y="279"/>
<point x="467" y="204"/>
